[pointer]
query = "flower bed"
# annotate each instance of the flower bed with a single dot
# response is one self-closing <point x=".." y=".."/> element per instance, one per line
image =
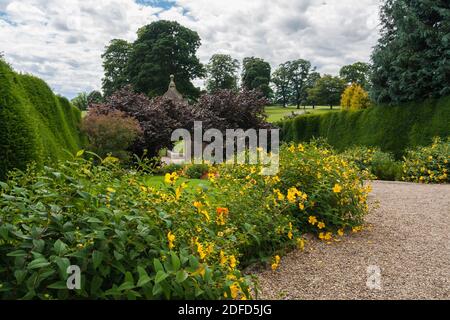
<point x="135" y="241"/>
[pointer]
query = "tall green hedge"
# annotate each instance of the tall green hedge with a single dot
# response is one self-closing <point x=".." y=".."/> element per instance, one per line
<point x="35" y="125"/>
<point x="391" y="128"/>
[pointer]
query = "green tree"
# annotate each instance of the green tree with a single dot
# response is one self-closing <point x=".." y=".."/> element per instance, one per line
<point x="411" y="60"/>
<point x="299" y="71"/>
<point x="311" y="83"/>
<point x="256" y="75"/>
<point x="222" y="73"/>
<point x="95" y="97"/>
<point x="115" y="64"/>
<point x="161" y="49"/>
<point x="281" y="80"/>
<point x="81" y="101"/>
<point x="327" y="91"/>
<point x="358" y="72"/>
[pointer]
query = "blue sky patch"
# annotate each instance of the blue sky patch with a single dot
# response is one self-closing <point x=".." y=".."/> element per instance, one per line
<point x="165" y="4"/>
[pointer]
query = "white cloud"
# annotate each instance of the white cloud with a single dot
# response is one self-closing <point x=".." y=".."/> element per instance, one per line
<point x="61" y="41"/>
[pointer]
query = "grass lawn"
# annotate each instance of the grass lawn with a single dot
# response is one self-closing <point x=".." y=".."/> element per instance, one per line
<point x="158" y="182"/>
<point x="276" y="113"/>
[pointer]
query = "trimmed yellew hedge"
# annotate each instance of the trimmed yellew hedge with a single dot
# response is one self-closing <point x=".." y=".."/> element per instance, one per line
<point x="35" y="125"/>
<point x="391" y="128"/>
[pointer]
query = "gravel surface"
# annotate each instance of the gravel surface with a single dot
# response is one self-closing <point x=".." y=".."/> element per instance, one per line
<point x="407" y="237"/>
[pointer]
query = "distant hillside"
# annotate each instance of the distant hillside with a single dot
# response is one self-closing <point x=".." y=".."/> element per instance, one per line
<point x="35" y="124"/>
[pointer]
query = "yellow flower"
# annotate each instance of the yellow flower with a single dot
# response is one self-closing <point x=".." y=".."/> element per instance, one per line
<point x="223" y="258"/>
<point x="171" y="178"/>
<point x="301" y="243"/>
<point x="279" y="195"/>
<point x="110" y="190"/>
<point x="325" y="236"/>
<point x="301" y="206"/>
<point x="170" y="239"/>
<point x="301" y="148"/>
<point x="200" y="250"/>
<point x="321" y="225"/>
<point x="357" y="229"/>
<point x="198" y="204"/>
<point x="205" y="214"/>
<point x="233" y="262"/>
<point x="234" y="289"/>
<point x="312" y="220"/>
<point x="276" y="262"/>
<point x="337" y="188"/>
<point x="292" y="195"/>
<point x="291" y="148"/>
<point x="340" y="232"/>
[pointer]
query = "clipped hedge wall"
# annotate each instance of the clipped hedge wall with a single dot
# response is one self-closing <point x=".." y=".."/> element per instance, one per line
<point x="391" y="128"/>
<point x="35" y="125"/>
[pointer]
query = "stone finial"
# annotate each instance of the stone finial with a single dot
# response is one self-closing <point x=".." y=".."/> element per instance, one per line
<point x="172" y="93"/>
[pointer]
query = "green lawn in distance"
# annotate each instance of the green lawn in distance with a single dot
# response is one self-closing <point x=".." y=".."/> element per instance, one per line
<point x="158" y="182"/>
<point x="276" y="113"/>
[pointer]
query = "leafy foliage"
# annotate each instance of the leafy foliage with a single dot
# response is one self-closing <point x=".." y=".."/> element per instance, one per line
<point x="327" y="91"/>
<point x="36" y="125"/>
<point x="355" y="98"/>
<point x="81" y="101"/>
<point x="164" y="48"/>
<point x="358" y="72"/>
<point x="115" y="64"/>
<point x="410" y="62"/>
<point x="381" y="164"/>
<point x="111" y="132"/>
<point x="430" y="164"/>
<point x="256" y="75"/>
<point x="281" y="79"/>
<point x="222" y="73"/>
<point x="391" y="128"/>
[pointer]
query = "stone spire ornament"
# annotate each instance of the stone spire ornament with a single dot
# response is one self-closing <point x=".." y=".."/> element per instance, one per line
<point x="172" y="93"/>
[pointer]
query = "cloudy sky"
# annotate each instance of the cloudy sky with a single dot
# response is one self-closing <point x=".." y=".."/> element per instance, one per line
<point x="61" y="40"/>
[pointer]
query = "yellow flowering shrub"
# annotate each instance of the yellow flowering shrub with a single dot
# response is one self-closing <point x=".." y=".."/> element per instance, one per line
<point x="429" y="164"/>
<point x="326" y="191"/>
<point x="355" y="98"/>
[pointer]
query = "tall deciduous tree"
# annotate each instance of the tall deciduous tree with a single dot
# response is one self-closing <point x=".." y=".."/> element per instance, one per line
<point x="161" y="49"/>
<point x="95" y="97"/>
<point x="327" y="91"/>
<point x="222" y="73"/>
<point x="81" y="101"/>
<point x="281" y="79"/>
<point x="411" y="60"/>
<point x="299" y="71"/>
<point x="115" y="64"/>
<point x="358" y="72"/>
<point x="256" y="75"/>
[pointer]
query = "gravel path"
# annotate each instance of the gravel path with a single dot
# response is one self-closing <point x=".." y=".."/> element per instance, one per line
<point x="408" y="238"/>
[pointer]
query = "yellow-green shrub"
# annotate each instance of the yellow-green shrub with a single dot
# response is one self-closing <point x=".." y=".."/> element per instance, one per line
<point x="355" y="98"/>
<point x="429" y="164"/>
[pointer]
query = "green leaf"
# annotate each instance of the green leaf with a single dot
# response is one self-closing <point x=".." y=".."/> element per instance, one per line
<point x="160" y="276"/>
<point x="60" y="247"/>
<point x="94" y="220"/>
<point x="143" y="277"/>
<point x="97" y="258"/>
<point x="60" y="285"/>
<point x="181" y="276"/>
<point x="20" y="275"/>
<point x="80" y="153"/>
<point x="17" y="253"/>
<point x="126" y="286"/>
<point x="38" y="263"/>
<point x="158" y="266"/>
<point x="175" y="261"/>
